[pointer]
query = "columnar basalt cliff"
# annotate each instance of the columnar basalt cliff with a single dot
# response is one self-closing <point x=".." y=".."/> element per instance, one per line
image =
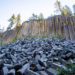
<point x="63" y="26"/>
<point x="57" y="25"/>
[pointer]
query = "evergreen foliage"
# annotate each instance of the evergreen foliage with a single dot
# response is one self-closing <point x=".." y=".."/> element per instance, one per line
<point x="70" y="70"/>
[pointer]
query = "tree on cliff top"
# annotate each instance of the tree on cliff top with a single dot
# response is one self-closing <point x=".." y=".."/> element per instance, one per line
<point x="14" y="21"/>
<point x="18" y="18"/>
<point x="18" y="24"/>
<point x="74" y="9"/>
<point x="63" y="10"/>
<point x="33" y="17"/>
<point x="58" y="6"/>
<point x="40" y="17"/>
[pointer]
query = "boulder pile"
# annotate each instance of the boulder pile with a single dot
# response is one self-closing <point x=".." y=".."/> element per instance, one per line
<point x="36" y="56"/>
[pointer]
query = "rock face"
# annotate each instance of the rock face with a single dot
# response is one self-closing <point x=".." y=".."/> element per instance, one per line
<point x="54" y="26"/>
<point x="63" y="26"/>
<point x="36" y="56"/>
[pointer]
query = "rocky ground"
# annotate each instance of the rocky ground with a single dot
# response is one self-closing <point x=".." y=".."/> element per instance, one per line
<point x="36" y="56"/>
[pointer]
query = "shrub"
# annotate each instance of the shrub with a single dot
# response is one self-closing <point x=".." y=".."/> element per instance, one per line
<point x="70" y="70"/>
<point x="14" y="40"/>
<point x="37" y="36"/>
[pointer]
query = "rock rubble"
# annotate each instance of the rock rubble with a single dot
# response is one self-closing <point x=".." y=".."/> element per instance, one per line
<point x="36" y="56"/>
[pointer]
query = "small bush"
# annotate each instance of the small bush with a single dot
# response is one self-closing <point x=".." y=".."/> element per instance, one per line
<point x="14" y="40"/>
<point x="70" y="70"/>
<point x="37" y="36"/>
<point x="58" y="36"/>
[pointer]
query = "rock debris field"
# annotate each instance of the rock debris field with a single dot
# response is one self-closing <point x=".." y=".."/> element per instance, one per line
<point x="36" y="56"/>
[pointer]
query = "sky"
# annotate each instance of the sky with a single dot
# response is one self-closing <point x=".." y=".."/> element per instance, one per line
<point x="26" y="8"/>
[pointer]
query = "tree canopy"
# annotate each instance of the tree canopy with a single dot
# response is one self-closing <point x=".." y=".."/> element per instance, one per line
<point x="14" y="21"/>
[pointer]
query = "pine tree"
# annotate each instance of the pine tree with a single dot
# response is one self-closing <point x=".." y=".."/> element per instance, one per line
<point x="40" y="17"/>
<point x="58" y="6"/>
<point x="12" y="21"/>
<point x="18" y="20"/>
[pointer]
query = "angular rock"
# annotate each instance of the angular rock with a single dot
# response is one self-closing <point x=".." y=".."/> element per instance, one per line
<point x="51" y="71"/>
<point x="17" y="66"/>
<point x="29" y="72"/>
<point x="5" y="70"/>
<point x="39" y="67"/>
<point x="23" y="69"/>
<point x="43" y="73"/>
<point x="11" y="72"/>
<point x="1" y="56"/>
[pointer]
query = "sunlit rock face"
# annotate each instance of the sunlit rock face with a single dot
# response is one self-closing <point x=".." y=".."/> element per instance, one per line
<point x="63" y="26"/>
<point x="58" y="25"/>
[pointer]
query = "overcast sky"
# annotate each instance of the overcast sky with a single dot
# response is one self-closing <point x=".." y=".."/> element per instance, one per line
<point x="27" y="7"/>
